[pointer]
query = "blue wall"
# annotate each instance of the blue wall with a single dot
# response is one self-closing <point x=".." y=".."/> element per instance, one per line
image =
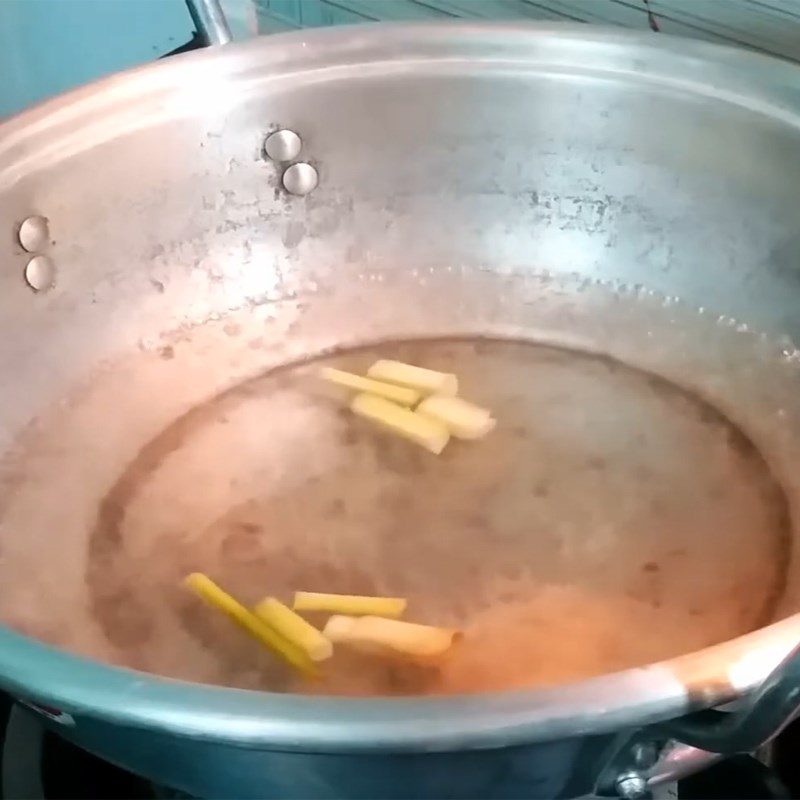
<point x="47" y="46"/>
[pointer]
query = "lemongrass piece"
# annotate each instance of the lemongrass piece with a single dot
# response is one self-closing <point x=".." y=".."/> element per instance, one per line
<point x="427" y="381"/>
<point x="463" y="419"/>
<point x="398" y="394"/>
<point x="390" y="636"/>
<point x="294" y="629"/>
<point x="208" y="591"/>
<point x="427" y="432"/>
<point x="350" y="604"/>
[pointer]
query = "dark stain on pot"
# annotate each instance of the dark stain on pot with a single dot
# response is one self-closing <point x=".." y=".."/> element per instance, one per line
<point x="337" y="507"/>
<point x="397" y="455"/>
<point x="478" y="522"/>
<point x="541" y="488"/>
<point x="132" y="625"/>
<point x="242" y="543"/>
<point x="350" y="435"/>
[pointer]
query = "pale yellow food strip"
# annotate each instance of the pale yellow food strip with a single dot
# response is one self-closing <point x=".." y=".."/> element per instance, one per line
<point x="350" y="604"/>
<point x="391" y="636"/>
<point x="208" y="591"/>
<point x="403" y="395"/>
<point x="294" y="629"/>
<point x="427" y="381"/>
<point x="463" y="419"/>
<point x="427" y="432"/>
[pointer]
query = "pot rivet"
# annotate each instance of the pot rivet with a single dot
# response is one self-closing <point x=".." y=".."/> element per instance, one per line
<point x="33" y="234"/>
<point x="631" y="786"/>
<point x="40" y="273"/>
<point x="283" y="145"/>
<point x="300" y="179"/>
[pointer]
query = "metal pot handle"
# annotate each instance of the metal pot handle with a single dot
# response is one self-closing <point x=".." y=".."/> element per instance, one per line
<point x="209" y="20"/>
<point x="668" y="751"/>
<point x="761" y="716"/>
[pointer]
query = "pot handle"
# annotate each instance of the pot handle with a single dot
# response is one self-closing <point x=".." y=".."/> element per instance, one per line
<point x="209" y="20"/>
<point x="671" y="750"/>
<point x="762" y="715"/>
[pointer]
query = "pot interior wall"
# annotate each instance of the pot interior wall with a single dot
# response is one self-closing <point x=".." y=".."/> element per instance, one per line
<point x="607" y="258"/>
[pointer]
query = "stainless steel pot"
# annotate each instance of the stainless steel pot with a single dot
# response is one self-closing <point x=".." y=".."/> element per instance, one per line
<point x="490" y="180"/>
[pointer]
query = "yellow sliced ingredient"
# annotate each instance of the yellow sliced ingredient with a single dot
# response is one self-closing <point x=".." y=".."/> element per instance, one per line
<point x="427" y="432"/>
<point x="294" y="629"/>
<point x="427" y="381"/>
<point x="397" y="394"/>
<point x="208" y="591"/>
<point x="350" y="604"/>
<point x="463" y="419"/>
<point x="390" y="636"/>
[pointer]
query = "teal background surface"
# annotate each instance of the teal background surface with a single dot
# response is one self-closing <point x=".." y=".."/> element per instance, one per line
<point x="47" y="46"/>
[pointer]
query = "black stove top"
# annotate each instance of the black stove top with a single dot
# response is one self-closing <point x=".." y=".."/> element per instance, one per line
<point x="36" y="763"/>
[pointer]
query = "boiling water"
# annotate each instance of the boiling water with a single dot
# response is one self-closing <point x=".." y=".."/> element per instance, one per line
<point x="612" y="519"/>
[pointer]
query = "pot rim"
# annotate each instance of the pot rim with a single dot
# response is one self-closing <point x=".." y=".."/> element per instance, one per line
<point x="42" y="674"/>
<point x="57" y="128"/>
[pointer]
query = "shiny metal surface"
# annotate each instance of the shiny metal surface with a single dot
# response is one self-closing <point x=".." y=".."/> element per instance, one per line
<point x="644" y="760"/>
<point x="758" y="720"/>
<point x="707" y="736"/>
<point x="568" y="153"/>
<point x="678" y="761"/>
<point x="300" y="179"/>
<point x="283" y="145"/>
<point x="209" y="19"/>
<point x="632" y="786"/>
<point x="40" y="273"/>
<point x="33" y="234"/>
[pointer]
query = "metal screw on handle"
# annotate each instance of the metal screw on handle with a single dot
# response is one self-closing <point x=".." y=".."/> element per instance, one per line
<point x="640" y="765"/>
<point x="632" y="786"/>
<point x="209" y="21"/>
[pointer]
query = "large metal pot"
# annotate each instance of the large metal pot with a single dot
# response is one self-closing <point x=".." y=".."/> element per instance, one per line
<point x="550" y="183"/>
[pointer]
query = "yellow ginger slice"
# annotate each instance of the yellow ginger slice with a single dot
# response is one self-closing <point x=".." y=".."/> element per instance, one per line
<point x="350" y="604"/>
<point x="427" y="432"/>
<point x="427" y="381"/>
<point x="390" y="636"/>
<point x="398" y="394"/>
<point x="208" y="591"/>
<point x="294" y="629"/>
<point x="464" y="420"/>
